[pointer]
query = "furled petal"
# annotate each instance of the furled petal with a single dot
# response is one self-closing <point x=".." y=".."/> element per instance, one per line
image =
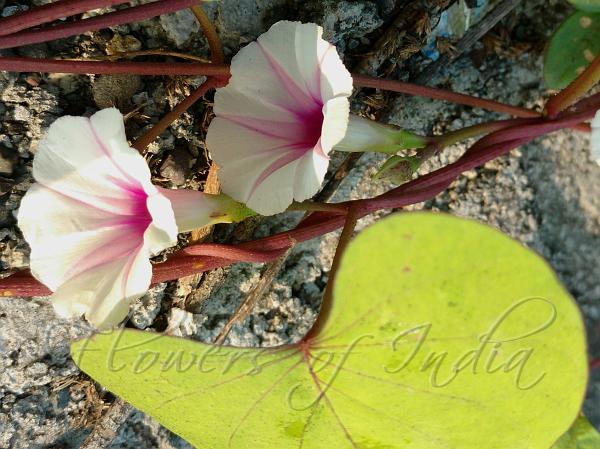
<point x="284" y="109"/>
<point x="94" y="218"/>
<point x="595" y="137"/>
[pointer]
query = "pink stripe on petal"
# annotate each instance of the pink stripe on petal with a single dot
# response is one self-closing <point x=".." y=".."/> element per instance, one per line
<point x="128" y="269"/>
<point x="276" y="165"/>
<point x="110" y="156"/>
<point x="265" y="127"/>
<point x="105" y="253"/>
<point x="298" y="94"/>
<point x="124" y="205"/>
<point x="319" y="150"/>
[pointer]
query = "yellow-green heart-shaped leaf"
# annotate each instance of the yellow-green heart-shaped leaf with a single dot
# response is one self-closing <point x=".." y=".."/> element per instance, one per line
<point x="571" y="49"/>
<point x="443" y="334"/>
<point x="581" y="435"/>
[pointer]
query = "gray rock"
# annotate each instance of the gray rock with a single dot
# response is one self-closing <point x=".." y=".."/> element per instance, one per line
<point x="145" y="310"/>
<point x="12" y="10"/>
<point x="21" y="114"/>
<point x="345" y="23"/>
<point x="176" y="166"/>
<point x="180" y="26"/>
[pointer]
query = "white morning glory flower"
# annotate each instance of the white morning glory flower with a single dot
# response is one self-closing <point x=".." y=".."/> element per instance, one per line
<point x="93" y="218"/>
<point x="286" y="106"/>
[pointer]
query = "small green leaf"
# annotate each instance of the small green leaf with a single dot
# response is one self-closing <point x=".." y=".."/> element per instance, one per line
<point x="586" y="5"/>
<point x="581" y="435"/>
<point x="444" y="334"/>
<point x="571" y="49"/>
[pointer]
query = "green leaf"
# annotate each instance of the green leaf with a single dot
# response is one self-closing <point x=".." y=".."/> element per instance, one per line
<point x="586" y="5"/>
<point x="444" y="333"/>
<point x="571" y="49"/>
<point x="581" y="435"/>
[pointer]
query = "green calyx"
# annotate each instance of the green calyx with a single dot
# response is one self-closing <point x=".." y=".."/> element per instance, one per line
<point x="363" y="135"/>
<point x="230" y="211"/>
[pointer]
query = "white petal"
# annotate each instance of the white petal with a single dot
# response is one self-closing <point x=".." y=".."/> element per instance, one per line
<point x="284" y="109"/>
<point x="310" y="174"/>
<point x="162" y="231"/>
<point x="595" y="137"/>
<point x="276" y="192"/>
<point x="104" y="295"/>
<point x="66" y="235"/>
<point x="231" y="143"/>
<point x="267" y="69"/>
<point x="90" y="160"/>
<point x="336" y="114"/>
<point x="235" y="101"/>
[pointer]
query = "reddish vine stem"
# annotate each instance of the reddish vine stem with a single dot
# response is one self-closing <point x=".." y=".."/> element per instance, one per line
<point x="222" y="71"/>
<point x="233" y="253"/>
<point x="439" y="94"/>
<point x="532" y="130"/>
<point x="595" y="364"/>
<point x="122" y="17"/>
<point x="327" y="302"/>
<point x="19" y="64"/>
<point x="52" y="11"/>
<point x="574" y="91"/>
<point x="319" y="223"/>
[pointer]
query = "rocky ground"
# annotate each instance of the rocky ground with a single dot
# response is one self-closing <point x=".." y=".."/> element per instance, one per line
<point x="546" y="194"/>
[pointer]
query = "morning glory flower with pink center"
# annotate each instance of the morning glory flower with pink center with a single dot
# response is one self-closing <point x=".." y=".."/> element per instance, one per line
<point x="93" y="218"/>
<point x="286" y="106"/>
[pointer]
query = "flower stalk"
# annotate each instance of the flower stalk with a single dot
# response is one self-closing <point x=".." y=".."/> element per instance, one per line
<point x="368" y="135"/>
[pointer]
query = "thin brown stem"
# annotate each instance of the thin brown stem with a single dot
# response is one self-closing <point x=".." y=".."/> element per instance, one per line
<point x="216" y="49"/>
<point x="574" y="91"/>
<point x="252" y="298"/>
<point x="142" y="143"/>
<point x="135" y="54"/>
